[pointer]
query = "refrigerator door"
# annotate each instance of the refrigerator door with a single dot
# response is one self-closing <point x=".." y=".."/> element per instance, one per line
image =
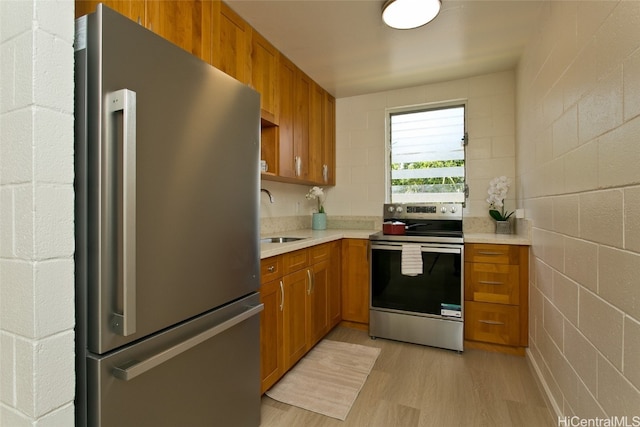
<point x="172" y="184"/>
<point x="186" y="376"/>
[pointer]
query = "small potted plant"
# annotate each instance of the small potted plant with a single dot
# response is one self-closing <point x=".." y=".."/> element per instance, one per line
<point x="498" y="188"/>
<point x="319" y="219"/>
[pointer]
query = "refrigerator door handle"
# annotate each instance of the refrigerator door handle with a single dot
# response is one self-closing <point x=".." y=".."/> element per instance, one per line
<point x="129" y="371"/>
<point x="125" y="100"/>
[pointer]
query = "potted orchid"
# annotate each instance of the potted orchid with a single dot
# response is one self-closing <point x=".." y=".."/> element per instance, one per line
<point x="319" y="219"/>
<point x="498" y="189"/>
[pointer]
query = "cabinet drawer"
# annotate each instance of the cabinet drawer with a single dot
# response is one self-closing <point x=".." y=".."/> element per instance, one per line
<point x="294" y="261"/>
<point x="319" y="253"/>
<point x="495" y="283"/>
<point x="493" y="323"/>
<point x="491" y="253"/>
<point x="270" y="268"/>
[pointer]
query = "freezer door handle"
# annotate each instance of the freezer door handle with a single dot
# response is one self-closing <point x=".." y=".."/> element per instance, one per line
<point x="130" y="371"/>
<point x="125" y="100"/>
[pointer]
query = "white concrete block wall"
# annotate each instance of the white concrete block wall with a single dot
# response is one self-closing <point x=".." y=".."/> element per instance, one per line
<point x="578" y="150"/>
<point x="37" y="377"/>
<point x="360" y="140"/>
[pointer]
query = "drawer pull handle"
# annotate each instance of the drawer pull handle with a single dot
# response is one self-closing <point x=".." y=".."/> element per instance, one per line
<point x="281" y="296"/>
<point x="490" y="253"/>
<point x="488" y="282"/>
<point x="491" y="322"/>
<point x="271" y="269"/>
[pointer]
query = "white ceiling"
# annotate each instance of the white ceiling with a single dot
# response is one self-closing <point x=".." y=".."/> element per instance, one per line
<point x="345" y="47"/>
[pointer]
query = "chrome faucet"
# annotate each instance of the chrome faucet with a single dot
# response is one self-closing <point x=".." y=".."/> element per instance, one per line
<point x="268" y="194"/>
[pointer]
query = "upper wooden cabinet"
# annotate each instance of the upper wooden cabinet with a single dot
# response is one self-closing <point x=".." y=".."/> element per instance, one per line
<point x="132" y="9"/>
<point x="322" y="118"/>
<point x="298" y="116"/>
<point x="316" y="133"/>
<point x="186" y="23"/>
<point x="232" y="44"/>
<point x="329" y="140"/>
<point x="264" y="76"/>
<point x="306" y="140"/>
<point x="286" y="149"/>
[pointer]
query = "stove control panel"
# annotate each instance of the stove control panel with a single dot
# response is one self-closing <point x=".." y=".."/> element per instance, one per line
<point x="422" y="210"/>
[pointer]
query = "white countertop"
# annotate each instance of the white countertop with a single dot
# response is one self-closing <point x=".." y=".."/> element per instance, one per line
<point x="311" y="238"/>
<point x="316" y="237"/>
<point x="501" y="239"/>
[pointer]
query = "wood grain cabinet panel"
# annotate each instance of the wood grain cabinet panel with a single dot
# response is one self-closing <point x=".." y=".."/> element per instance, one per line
<point x="329" y="140"/>
<point x="319" y="302"/>
<point x="232" y="45"/>
<point x="355" y="281"/>
<point x="296" y="260"/>
<point x="271" y="333"/>
<point x="335" y="284"/>
<point x="496" y="297"/>
<point x="296" y="331"/>
<point x="496" y="283"/>
<point x="132" y="9"/>
<point x="271" y="269"/>
<point x="186" y="23"/>
<point x="286" y="106"/>
<point x="492" y="323"/>
<point x="264" y="76"/>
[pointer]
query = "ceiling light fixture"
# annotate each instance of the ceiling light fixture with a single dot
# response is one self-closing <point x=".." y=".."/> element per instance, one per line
<point x="408" y="14"/>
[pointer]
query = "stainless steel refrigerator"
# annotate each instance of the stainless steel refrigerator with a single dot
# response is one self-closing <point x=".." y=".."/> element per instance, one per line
<point x="167" y="239"/>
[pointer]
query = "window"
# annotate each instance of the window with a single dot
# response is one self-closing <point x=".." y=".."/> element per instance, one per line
<point x="426" y="153"/>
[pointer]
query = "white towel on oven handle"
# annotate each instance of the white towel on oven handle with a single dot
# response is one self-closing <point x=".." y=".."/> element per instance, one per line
<point x="411" y="260"/>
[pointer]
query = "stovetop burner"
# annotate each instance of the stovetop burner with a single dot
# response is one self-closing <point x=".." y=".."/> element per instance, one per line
<point x="425" y="222"/>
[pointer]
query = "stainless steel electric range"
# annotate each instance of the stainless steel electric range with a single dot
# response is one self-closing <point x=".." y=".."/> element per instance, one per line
<point x="417" y="275"/>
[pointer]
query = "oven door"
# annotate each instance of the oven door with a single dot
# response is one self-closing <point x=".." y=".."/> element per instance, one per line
<point x="437" y="292"/>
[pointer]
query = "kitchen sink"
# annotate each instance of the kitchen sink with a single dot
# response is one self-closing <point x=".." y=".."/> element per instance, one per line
<point x="280" y="239"/>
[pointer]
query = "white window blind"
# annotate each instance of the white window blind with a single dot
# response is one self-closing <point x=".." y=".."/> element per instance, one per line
<point x="427" y="155"/>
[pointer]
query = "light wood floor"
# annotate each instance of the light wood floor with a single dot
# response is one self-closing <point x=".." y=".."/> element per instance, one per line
<point x="413" y="385"/>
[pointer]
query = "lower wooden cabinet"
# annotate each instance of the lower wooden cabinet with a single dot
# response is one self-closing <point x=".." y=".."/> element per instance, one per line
<point x="318" y="302"/>
<point x="492" y="323"/>
<point x="271" y="333"/>
<point x="296" y="333"/>
<point x="355" y="281"/>
<point x="301" y="306"/>
<point x="496" y="297"/>
<point x="335" y="284"/>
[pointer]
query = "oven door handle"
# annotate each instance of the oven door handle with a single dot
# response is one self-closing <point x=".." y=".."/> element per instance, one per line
<point x="422" y="248"/>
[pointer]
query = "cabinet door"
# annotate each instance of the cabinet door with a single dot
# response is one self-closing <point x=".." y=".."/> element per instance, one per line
<point x="316" y="134"/>
<point x="132" y="9"/>
<point x="329" y="141"/>
<point x="186" y="23"/>
<point x="264" y="75"/>
<point x="335" y="284"/>
<point x="286" y="81"/>
<point x="271" y="345"/>
<point x="318" y="302"/>
<point x="355" y="280"/>
<point x="232" y="45"/>
<point x="296" y="288"/>
<point x="301" y="124"/>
